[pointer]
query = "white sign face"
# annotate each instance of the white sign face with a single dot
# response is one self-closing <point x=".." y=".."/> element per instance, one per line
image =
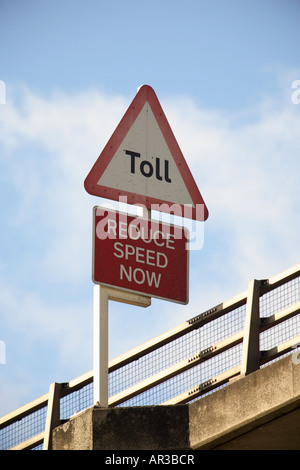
<point x="144" y="162"/>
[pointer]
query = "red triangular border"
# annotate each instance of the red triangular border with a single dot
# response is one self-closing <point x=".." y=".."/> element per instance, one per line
<point x="144" y="94"/>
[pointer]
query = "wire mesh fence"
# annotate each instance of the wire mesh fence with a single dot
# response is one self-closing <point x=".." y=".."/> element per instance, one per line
<point x="198" y="349"/>
<point x="23" y="429"/>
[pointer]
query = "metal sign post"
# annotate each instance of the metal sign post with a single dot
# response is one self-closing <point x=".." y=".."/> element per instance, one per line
<point x="101" y="297"/>
<point x="100" y="346"/>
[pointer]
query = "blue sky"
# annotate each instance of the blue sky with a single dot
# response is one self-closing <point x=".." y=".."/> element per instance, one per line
<point x="223" y="72"/>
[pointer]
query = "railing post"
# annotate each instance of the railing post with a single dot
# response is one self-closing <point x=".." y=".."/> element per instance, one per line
<point x="53" y="414"/>
<point x="251" y="353"/>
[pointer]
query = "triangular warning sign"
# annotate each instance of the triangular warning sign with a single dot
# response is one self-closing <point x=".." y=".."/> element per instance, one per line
<point x="142" y="161"/>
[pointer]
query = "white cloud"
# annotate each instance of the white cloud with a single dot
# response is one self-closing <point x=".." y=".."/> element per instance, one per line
<point x="247" y="169"/>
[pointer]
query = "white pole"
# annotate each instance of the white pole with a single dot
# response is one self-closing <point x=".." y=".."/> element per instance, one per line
<point x="102" y="295"/>
<point x="100" y="346"/>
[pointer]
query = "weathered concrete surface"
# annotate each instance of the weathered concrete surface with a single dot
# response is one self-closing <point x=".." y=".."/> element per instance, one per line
<point x="259" y="411"/>
<point x="150" y="427"/>
<point x="282" y="433"/>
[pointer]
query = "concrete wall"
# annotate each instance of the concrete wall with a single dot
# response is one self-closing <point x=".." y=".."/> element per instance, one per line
<point x="248" y="407"/>
<point x="154" y="427"/>
<point x="258" y="411"/>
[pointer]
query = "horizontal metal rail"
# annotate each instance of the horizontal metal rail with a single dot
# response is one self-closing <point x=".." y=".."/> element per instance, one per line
<point x="204" y="387"/>
<point x="49" y="400"/>
<point x="278" y="317"/>
<point x="31" y="443"/>
<point x="176" y="369"/>
<point x="189" y="325"/>
<point x="23" y="411"/>
<point x="280" y="350"/>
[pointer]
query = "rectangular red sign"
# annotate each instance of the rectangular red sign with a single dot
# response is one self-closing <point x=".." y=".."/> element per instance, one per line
<point x="140" y="255"/>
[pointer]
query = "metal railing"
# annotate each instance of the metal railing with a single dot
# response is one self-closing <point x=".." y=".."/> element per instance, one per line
<point x="198" y="356"/>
